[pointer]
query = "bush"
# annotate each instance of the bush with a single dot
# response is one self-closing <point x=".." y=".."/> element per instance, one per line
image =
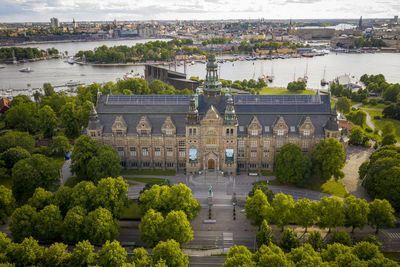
<point x="289" y="240"/>
<point x="340" y="237"/>
<point x="373" y="102"/>
<point x="377" y="117"/>
<point x="364" y="102"/>
<point x="368" y="130"/>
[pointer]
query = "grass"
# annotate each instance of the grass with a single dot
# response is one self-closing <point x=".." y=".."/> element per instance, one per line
<point x="149" y="172"/>
<point x="147" y="180"/>
<point x="132" y="211"/>
<point x="284" y="91"/>
<point x="335" y="188"/>
<point x="377" y="106"/>
<point x="72" y="181"/>
<point x="380" y="123"/>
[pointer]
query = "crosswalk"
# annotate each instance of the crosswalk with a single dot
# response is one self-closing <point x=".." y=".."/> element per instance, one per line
<point x="393" y="235"/>
<point x="227" y="238"/>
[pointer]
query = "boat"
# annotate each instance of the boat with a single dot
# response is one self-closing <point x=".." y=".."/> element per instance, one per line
<point x="72" y="83"/>
<point x="307" y="55"/>
<point x="70" y="61"/>
<point x="131" y="75"/>
<point x="323" y="81"/>
<point x="27" y="69"/>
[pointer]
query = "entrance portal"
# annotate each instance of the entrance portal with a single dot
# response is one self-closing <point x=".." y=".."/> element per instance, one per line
<point x="211" y="164"/>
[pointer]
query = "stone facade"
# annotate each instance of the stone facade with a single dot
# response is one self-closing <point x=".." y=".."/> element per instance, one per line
<point x="210" y="131"/>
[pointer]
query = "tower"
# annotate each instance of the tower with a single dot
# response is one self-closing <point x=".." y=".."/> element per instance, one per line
<point x="192" y="116"/>
<point x="230" y="117"/>
<point x="360" y="23"/>
<point x="94" y="128"/>
<point x="212" y="85"/>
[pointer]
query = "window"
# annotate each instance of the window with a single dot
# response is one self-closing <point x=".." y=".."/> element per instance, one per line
<point x="254" y="132"/>
<point x="157" y="164"/>
<point x="170" y="152"/>
<point x="93" y="134"/>
<point x="292" y="128"/>
<point x="305" y="145"/>
<point x="157" y="152"/>
<point x="170" y="164"/>
<point x="241" y="143"/>
<point x="182" y="143"/>
<point x="266" y="154"/>
<point x="292" y="141"/>
<point x="266" y="129"/>
<point x="253" y="143"/>
<point x="145" y="151"/>
<point x="252" y="166"/>
<point x="265" y="165"/>
<point x="267" y="143"/>
<point x="253" y="153"/>
<point x="279" y="144"/>
<point x="241" y="128"/>
<point x="241" y="165"/>
<point x="211" y="140"/>
<point x="231" y="131"/>
<point x="306" y="133"/>
<point x="240" y="153"/>
<point x="182" y="152"/>
<point x="281" y="132"/>
<point x="120" y="151"/>
<point x="98" y="133"/>
<point x="133" y="151"/>
<point x="119" y="133"/>
<point x="168" y="132"/>
<point x="146" y="164"/>
<point x="227" y="131"/>
<point x="143" y="132"/>
<point x="190" y="131"/>
<point x="194" y="131"/>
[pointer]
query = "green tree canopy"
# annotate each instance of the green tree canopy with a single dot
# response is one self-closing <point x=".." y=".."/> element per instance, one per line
<point x="356" y="212"/>
<point x="283" y="206"/>
<point x="100" y="226"/>
<point x="343" y="105"/>
<point x="14" y="139"/>
<point x="257" y="207"/>
<point x="23" y="222"/>
<point x="264" y="235"/>
<point x="112" y="254"/>
<point x="47" y="121"/>
<point x="380" y="214"/>
<point x="357" y="136"/>
<point x="239" y="256"/>
<point x="22" y="117"/>
<point x="141" y="258"/>
<point x="331" y="213"/>
<point x="150" y="227"/>
<point x="328" y="159"/>
<point x="176" y="226"/>
<point x="106" y="163"/>
<point x="171" y="253"/>
<point x="49" y="223"/>
<point x="289" y="240"/>
<point x="7" y="203"/>
<point x="61" y="145"/>
<point x="41" y="198"/>
<point x="83" y="254"/>
<point x="305" y="213"/>
<point x="56" y="255"/>
<point x="74" y="224"/>
<point x="13" y="155"/>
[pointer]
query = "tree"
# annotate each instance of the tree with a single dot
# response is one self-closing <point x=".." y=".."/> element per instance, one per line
<point x="27" y="253"/>
<point x="380" y="214"/>
<point x="23" y="222"/>
<point x="112" y="254"/>
<point x="13" y="155"/>
<point x="358" y="117"/>
<point x="83" y="194"/>
<point x="141" y="258"/>
<point x="316" y="241"/>
<point x="283" y="206"/>
<point x="296" y="86"/>
<point x="48" y="223"/>
<point x="389" y="139"/>
<point x="171" y="253"/>
<point x="56" y="255"/>
<point x="357" y="136"/>
<point x="47" y="121"/>
<point x="265" y="189"/>
<point x="40" y="198"/>
<point x="335" y="250"/>
<point x="150" y="227"/>
<point x="33" y="172"/>
<point x="48" y="89"/>
<point x="62" y="198"/>
<point x="289" y="240"/>
<point x="22" y="117"/>
<point x="343" y="105"/>
<point x="331" y="213"/>
<point x="74" y="224"/>
<point x="292" y="166"/>
<point x="176" y="226"/>
<point x="270" y="256"/>
<point x="7" y="203"/>
<point x="84" y="150"/>
<point x="83" y="254"/>
<point x="111" y="194"/>
<point x="257" y="207"/>
<point x="305" y="256"/>
<point x="328" y="159"/>
<point x="106" y="163"/>
<point x="239" y="256"/>
<point x="70" y="120"/>
<point x="356" y="212"/>
<point x="100" y="226"/>
<point x="264" y="235"/>
<point x="305" y="213"/>
<point x="366" y="251"/>
<point x="60" y="146"/>
<point x="13" y="139"/>
<point x="340" y="237"/>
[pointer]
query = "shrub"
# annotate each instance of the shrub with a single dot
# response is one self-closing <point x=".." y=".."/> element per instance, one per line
<point x="340" y="237"/>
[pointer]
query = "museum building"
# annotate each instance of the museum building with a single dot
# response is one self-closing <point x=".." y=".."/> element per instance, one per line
<point x="213" y="131"/>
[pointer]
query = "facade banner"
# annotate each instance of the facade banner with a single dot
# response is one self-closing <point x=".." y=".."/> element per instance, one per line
<point x="192" y="155"/>
<point x="229" y="157"/>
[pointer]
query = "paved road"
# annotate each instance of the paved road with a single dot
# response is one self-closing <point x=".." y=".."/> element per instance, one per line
<point x="66" y="171"/>
<point x="196" y="261"/>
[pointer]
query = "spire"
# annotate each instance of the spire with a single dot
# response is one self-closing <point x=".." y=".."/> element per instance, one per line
<point x="230" y="117"/>
<point x="93" y="112"/>
<point x="212" y="85"/>
<point x="193" y="114"/>
<point x="94" y="122"/>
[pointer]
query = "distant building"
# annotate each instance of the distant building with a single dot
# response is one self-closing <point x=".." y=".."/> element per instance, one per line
<point x="176" y="79"/>
<point x="4" y="104"/>
<point x="396" y="19"/>
<point x="54" y="22"/>
<point x="74" y="24"/>
<point x="348" y="82"/>
<point x="360" y="26"/>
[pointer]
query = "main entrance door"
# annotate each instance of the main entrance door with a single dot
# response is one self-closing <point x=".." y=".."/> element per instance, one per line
<point x="211" y="164"/>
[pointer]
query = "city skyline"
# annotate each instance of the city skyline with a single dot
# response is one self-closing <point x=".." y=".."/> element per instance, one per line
<point x="85" y="10"/>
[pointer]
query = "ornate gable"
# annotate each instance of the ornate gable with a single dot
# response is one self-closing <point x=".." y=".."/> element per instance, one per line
<point x="212" y="117"/>
<point x="144" y="126"/>
<point x="280" y="127"/>
<point x="168" y="128"/>
<point x="307" y="128"/>
<point x="254" y="127"/>
<point x="119" y="126"/>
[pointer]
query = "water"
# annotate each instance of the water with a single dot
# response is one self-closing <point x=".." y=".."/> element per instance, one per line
<point x="59" y="72"/>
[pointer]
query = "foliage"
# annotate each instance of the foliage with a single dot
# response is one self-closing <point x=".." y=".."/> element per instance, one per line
<point x="14" y="139"/>
<point x="40" y="198"/>
<point x="141" y="258"/>
<point x="316" y="241"/>
<point x="112" y="254"/>
<point x="328" y="159"/>
<point x="170" y="252"/>
<point x="356" y="212"/>
<point x="264" y="235"/>
<point x="389" y="139"/>
<point x="357" y="136"/>
<point x="56" y="255"/>
<point x="83" y="254"/>
<point x="392" y="111"/>
<point x="305" y="213"/>
<point x="23" y="222"/>
<point x="151" y="227"/>
<point x="239" y="256"/>
<point x="291" y="166"/>
<point x="22" y="117"/>
<point x="60" y="146"/>
<point x="176" y="226"/>
<point x="330" y="212"/>
<point x="282" y="206"/>
<point x="270" y="256"/>
<point x="257" y="207"/>
<point x="33" y="172"/>
<point x="20" y="53"/>
<point x="47" y="121"/>
<point x="340" y="237"/>
<point x="381" y="214"/>
<point x="296" y="86"/>
<point x="343" y="105"/>
<point x="13" y="155"/>
<point x="264" y="188"/>
<point x="165" y="199"/>
<point x="99" y="226"/>
<point x="305" y="256"/>
<point x="289" y="240"/>
<point x="73" y="224"/>
<point x="7" y="203"/>
<point x="49" y="222"/>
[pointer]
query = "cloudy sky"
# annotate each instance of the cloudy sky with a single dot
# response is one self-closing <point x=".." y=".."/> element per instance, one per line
<point x="65" y="10"/>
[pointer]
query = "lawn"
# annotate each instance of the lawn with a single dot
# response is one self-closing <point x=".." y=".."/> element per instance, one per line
<point x="132" y="211"/>
<point x="381" y="122"/>
<point x="284" y="91"/>
<point x="149" y="172"/>
<point x="377" y="106"/>
<point x="147" y="180"/>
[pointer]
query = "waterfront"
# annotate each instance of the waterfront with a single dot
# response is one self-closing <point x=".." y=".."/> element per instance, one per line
<point x="58" y="72"/>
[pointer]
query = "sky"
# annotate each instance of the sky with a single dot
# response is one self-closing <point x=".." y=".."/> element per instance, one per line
<point x="100" y="10"/>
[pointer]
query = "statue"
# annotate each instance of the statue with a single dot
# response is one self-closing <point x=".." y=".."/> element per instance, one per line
<point x="210" y="192"/>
